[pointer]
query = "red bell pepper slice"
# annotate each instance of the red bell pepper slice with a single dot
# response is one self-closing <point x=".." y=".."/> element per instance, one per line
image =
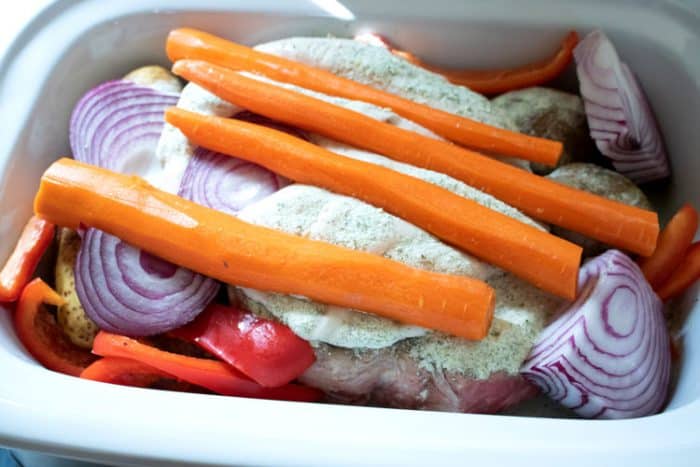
<point x="211" y="374"/>
<point x="35" y="239"/>
<point x="36" y="327"/>
<point x="685" y="275"/>
<point x="127" y="372"/>
<point x="123" y="371"/>
<point x="496" y="81"/>
<point x="266" y="351"/>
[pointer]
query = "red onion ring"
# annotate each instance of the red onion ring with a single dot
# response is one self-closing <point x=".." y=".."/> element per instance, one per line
<point x="116" y="123"/>
<point x="225" y="183"/>
<point x="607" y="355"/>
<point x="124" y="290"/>
<point x="128" y="291"/>
<point x="619" y="116"/>
<point x="228" y="184"/>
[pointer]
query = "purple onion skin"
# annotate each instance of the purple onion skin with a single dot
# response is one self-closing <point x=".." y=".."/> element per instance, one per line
<point x="620" y="119"/>
<point x="607" y="355"/>
<point x="123" y="289"/>
<point x="127" y="291"/>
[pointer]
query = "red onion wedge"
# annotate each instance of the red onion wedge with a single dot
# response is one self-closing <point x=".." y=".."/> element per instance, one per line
<point x="619" y="116"/>
<point x="228" y="184"/>
<point x="123" y="289"/>
<point x="607" y="355"/>
<point x="127" y="291"/>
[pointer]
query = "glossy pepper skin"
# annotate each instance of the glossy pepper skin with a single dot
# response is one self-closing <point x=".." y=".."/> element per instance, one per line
<point x="43" y="338"/>
<point x="214" y="375"/>
<point x="35" y="239"/>
<point x="266" y="351"/>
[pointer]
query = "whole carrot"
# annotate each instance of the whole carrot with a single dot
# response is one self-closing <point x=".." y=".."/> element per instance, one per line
<point x="546" y="261"/>
<point x="614" y="223"/>
<point x="226" y="248"/>
<point x="191" y="43"/>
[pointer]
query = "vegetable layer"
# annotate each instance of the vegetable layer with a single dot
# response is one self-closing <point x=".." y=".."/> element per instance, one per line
<point x="538" y="257"/>
<point x="220" y="246"/>
<point x="616" y="224"/>
<point x="190" y="43"/>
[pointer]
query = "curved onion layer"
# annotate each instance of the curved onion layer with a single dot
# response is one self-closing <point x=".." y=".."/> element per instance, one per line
<point x="229" y="184"/>
<point x="225" y="183"/>
<point x="619" y="116"/>
<point x="117" y="126"/>
<point x="128" y="291"/>
<point x="608" y="354"/>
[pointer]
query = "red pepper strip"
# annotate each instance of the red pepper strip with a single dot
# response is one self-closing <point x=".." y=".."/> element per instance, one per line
<point x="36" y="327"/>
<point x="35" y="239"/>
<point x="266" y="351"/>
<point x="123" y="371"/>
<point x="671" y="246"/>
<point x="127" y="372"/>
<point x="211" y="374"/>
<point x="504" y="80"/>
<point x="684" y="276"/>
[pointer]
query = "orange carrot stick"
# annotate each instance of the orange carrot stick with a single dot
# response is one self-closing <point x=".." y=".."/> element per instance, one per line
<point x="615" y="223"/>
<point x="225" y="248"/>
<point x="685" y="275"/>
<point x="546" y="261"/>
<point x="504" y="80"/>
<point x="673" y="241"/>
<point x="190" y="43"/>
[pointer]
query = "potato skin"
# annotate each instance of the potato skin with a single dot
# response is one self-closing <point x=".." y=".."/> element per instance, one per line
<point x="552" y="114"/>
<point x="79" y="328"/>
<point x="156" y="77"/>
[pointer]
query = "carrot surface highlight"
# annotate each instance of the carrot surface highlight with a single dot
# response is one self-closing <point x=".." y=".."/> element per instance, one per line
<point x="507" y="79"/>
<point x="228" y="249"/>
<point x="542" y="259"/>
<point x="672" y="244"/>
<point x="685" y="275"/>
<point x="190" y="43"/>
<point x="614" y="223"/>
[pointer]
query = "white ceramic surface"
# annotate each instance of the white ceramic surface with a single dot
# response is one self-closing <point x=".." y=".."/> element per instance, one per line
<point x="74" y="44"/>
